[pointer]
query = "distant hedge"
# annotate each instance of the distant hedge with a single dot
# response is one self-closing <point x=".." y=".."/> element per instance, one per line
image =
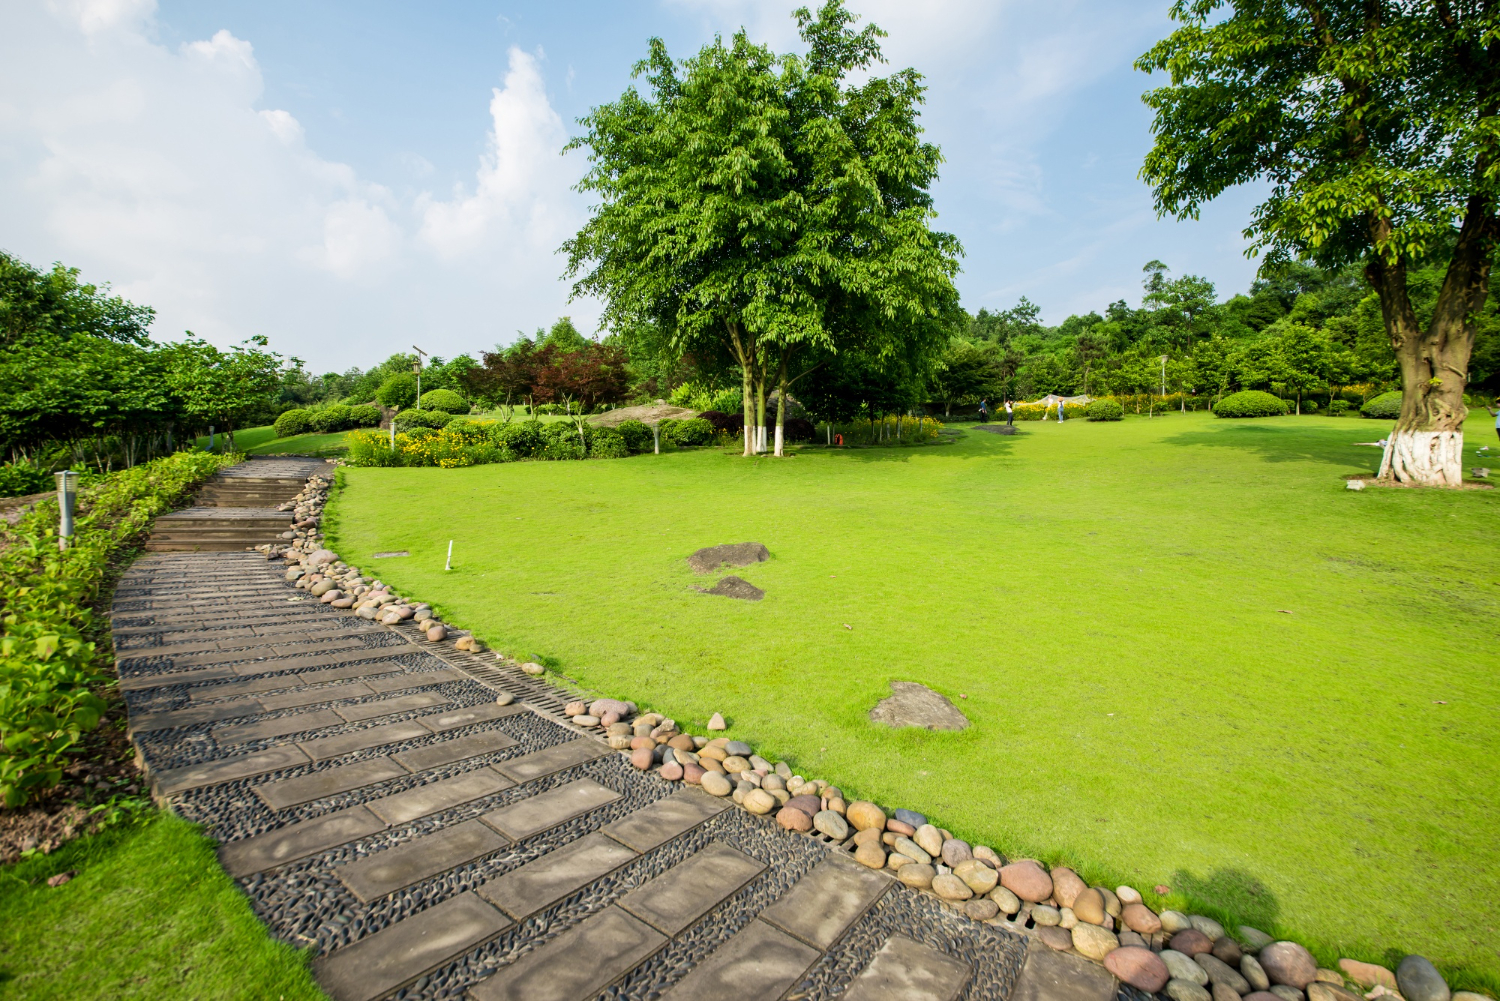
<point x="1385" y="407"/>
<point x="1250" y="403"/>
<point x="1103" y="410"/>
<point x="434" y="419"/>
<point x="292" y="423"/>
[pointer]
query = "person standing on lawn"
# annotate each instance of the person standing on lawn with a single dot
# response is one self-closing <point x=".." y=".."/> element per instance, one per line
<point x="1059" y="410"/>
<point x="984" y="410"/>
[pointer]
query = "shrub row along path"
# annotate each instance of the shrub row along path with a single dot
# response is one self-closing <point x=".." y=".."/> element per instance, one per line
<point x="375" y="801"/>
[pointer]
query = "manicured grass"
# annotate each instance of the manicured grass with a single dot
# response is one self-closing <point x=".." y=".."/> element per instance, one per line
<point x="1190" y="656"/>
<point x="263" y="441"/>
<point x="150" y="915"/>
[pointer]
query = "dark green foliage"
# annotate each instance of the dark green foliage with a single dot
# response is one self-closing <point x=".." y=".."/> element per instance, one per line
<point x="18" y="481"/>
<point x="330" y="419"/>
<point x="798" y="429"/>
<point x="399" y="391"/>
<point x="422" y="419"/>
<point x="607" y="443"/>
<point x="1104" y="410"/>
<point x="1339" y="408"/>
<point x="524" y="438"/>
<point x="292" y="423"/>
<point x="1385" y="407"/>
<point x="365" y="415"/>
<point x="1251" y="403"/>
<point x="446" y="400"/>
<point x="636" y="436"/>
<point x="696" y="431"/>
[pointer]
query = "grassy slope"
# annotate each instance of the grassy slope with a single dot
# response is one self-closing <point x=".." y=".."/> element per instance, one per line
<point x="1108" y="596"/>
<point x="263" y="441"/>
<point x="150" y="915"/>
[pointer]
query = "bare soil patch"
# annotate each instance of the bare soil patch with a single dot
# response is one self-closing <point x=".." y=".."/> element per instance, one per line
<point x="739" y="554"/>
<point x="735" y="587"/>
<point x="911" y="704"/>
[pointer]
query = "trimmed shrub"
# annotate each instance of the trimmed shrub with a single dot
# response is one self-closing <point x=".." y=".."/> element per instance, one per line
<point x="607" y="443"/>
<point x="1250" y="403"/>
<point x="635" y="435"/>
<point x="434" y="419"/>
<point x="365" y="415"/>
<point x="795" y="429"/>
<point x="446" y="400"/>
<point x="18" y="481"/>
<point x="695" y="431"/>
<point x="331" y="419"/>
<point x="1103" y="410"/>
<point x="524" y="438"/>
<point x="1309" y="406"/>
<point x="1338" y="408"/>
<point x="292" y="423"/>
<point x="398" y="392"/>
<point x="1385" y="407"/>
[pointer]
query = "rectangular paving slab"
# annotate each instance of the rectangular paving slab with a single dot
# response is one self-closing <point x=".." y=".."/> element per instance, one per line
<point x="385" y="872"/>
<point x="362" y="671"/>
<point x="542" y="882"/>
<point x="474" y="714"/>
<point x="278" y="726"/>
<point x="243" y="686"/>
<point x="911" y="971"/>
<point x="398" y="682"/>
<point x="330" y="781"/>
<point x="320" y="660"/>
<point x="389" y="707"/>
<point x="345" y="743"/>
<point x="643" y="830"/>
<point x="139" y="682"/>
<point x="687" y="891"/>
<point x="553" y="759"/>
<point x="437" y="796"/>
<point x="829" y="899"/>
<point x="380" y="963"/>
<point x="576" y="965"/>
<point x="295" y="841"/>
<point x="548" y="809"/>
<point x="313" y="696"/>
<point x="455" y="749"/>
<point x="175" y="780"/>
<point x="1057" y="976"/>
<point x="191" y="717"/>
<point x="758" y="964"/>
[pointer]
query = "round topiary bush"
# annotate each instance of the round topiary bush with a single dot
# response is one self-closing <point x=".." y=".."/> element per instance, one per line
<point x="607" y="443"/>
<point x="422" y="419"/>
<point x="445" y="400"/>
<point x="292" y="423"/>
<point x="1385" y="407"/>
<point x="330" y="419"/>
<point x="365" y="415"/>
<point x="1104" y="410"/>
<point x="1250" y="403"/>
<point x="636" y="436"/>
<point x="694" y="431"/>
<point x="398" y="392"/>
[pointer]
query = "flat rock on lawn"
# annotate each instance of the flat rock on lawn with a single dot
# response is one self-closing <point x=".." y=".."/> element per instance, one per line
<point x="917" y="705"/>
<point x="740" y="554"/>
<point x="735" y="587"/>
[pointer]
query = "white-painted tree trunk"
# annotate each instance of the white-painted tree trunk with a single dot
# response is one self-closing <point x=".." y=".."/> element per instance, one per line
<point x="1424" y="458"/>
<point x="778" y="440"/>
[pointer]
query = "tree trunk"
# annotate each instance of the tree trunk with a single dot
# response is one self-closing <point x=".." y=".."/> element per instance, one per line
<point x="780" y="405"/>
<point x="744" y="353"/>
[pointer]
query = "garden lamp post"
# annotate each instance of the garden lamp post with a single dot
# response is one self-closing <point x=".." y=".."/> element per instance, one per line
<point x="416" y="367"/>
<point x="67" y="497"/>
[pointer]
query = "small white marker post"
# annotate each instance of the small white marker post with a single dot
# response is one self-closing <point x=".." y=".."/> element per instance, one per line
<point x="449" y="565"/>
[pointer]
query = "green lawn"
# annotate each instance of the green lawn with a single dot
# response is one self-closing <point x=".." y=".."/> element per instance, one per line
<point x="150" y="915"/>
<point x="263" y="441"/>
<point x="1190" y="655"/>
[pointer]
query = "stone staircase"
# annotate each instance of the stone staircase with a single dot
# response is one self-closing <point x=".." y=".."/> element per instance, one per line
<point x="236" y="509"/>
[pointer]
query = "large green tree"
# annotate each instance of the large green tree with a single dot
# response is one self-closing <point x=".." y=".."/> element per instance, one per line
<point x="767" y="207"/>
<point x="1374" y="123"/>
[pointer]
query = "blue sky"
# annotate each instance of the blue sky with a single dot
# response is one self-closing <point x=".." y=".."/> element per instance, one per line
<point x="347" y="178"/>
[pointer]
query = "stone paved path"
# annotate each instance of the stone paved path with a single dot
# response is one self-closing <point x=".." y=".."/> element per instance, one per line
<point x="375" y="802"/>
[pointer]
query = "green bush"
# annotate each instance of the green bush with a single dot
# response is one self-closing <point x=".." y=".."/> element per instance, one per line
<point x="18" y="481"/>
<point x="1309" y="406"/>
<point x="292" y="423"/>
<point x="446" y="400"/>
<point x="524" y="438"/>
<point x="330" y="419"/>
<point x="408" y="419"/>
<point x="1103" y="410"/>
<point x="49" y="663"/>
<point x="1250" y="403"/>
<point x="1385" y="407"/>
<point x="607" y="443"/>
<point x="695" y="431"/>
<point x="398" y="392"/>
<point x="364" y="415"/>
<point x="1338" y="408"/>
<point x="637" y="436"/>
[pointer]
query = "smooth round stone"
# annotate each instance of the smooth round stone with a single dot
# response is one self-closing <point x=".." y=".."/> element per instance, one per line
<point x="988" y="854"/>
<point x="609" y="719"/>
<point x="1290" y="964"/>
<point x="715" y="784"/>
<point x="916" y="875"/>
<point x="979" y="877"/>
<point x="1027" y="880"/>
<point x="1140" y="918"/>
<point x="599" y="707"/>
<point x="912" y="850"/>
<point x="1254" y="938"/>
<point x="981" y="909"/>
<point x="830" y="823"/>
<point x="619" y="742"/>
<point x="1286" y="993"/>
<point x="1069" y="919"/>
<point x="535" y="670"/>
<point x="772" y="782"/>
<point x="1207" y="926"/>
<point x="1220" y="972"/>
<point x="897" y="827"/>
<point x="738" y="748"/>
<point x="671" y="771"/>
<point x="349" y="603"/>
<point x="896" y="860"/>
<point x="1112" y="903"/>
<point x="1416" y="978"/>
<point x="834" y="803"/>
<point x="1368" y="974"/>
<point x="751" y="777"/>
<point x="1262" y="996"/>
<point x="1173" y="922"/>
<point x="1059" y="939"/>
<point x="1191" y="942"/>
<point x="1094" y="942"/>
<point x="681" y="742"/>
<point x="911" y="817"/>
<point x="1088" y="905"/>
<point x="955" y="851"/>
<point x="931" y="841"/>
<point x="871" y="855"/>
<point x="1128" y="895"/>
<point x="642" y="758"/>
<point x="1140" y="968"/>
<point x="1128" y="937"/>
<point x="865" y="815"/>
<point x="793" y="819"/>
<point x="950" y="887"/>
<point x="692" y="774"/>
<point x="585" y="720"/>
<point x="807" y="804"/>
<point x="758" y="763"/>
<point x="759" y="802"/>
<point x="735" y="764"/>
<point x="781" y="796"/>
<point x="1320" y="990"/>
<point x="868" y="836"/>
<point x="1228" y="950"/>
<point x="575" y="708"/>
<point x="1186" y="990"/>
<point x="642" y="742"/>
<point x="1253" y="972"/>
<point x="1222" y="993"/>
<point x="618" y="730"/>
<point x="1182" y="967"/>
<point x="504" y="699"/>
<point x="1008" y="902"/>
<point x="1066" y="886"/>
<point x="1046" y="917"/>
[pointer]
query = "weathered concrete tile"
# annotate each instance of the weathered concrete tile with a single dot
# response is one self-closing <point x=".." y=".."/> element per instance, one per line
<point x="385" y="872"/>
<point x="247" y="686"/>
<point x="324" y="748"/>
<point x="553" y="759"/>
<point x="758" y="964"/>
<point x="295" y="841"/>
<point x="822" y="904"/>
<point x="911" y="971"/>
<point x="198" y="714"/>
<point x="313" y="696"/>
<point x="175" y="780"/>
<point x="330" y="781"/>
<point x="362" y="671"/>
<point x="544" y="881"/>
<point x="687" y="891"/>
<point x="1057" y="976"/>
<point x="397" y="682"/>
<point x="318" y="661"/>
<point x="445" y="752"/>
<point x="548" y="809"/>
<point x="437" y="796"/>
<point x="393" y="957"/>
<point x="576" y="965"/>
<point x="643" y="830"/>
<point x="389" y="707"/>
<point x="139" y="682"/>
<point x="474" y="714"/>
<point x="278" y="726"/>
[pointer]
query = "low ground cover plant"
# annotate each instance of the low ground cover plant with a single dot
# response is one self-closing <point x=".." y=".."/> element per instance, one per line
<point x="18" y="480"/>
<point x="49" y="661"/>
<point x="1251" y="403"/>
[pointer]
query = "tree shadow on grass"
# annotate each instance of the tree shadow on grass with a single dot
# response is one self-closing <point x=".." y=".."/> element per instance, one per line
<point x="1230" y="896"/>
<point x="1280" y="443"/>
